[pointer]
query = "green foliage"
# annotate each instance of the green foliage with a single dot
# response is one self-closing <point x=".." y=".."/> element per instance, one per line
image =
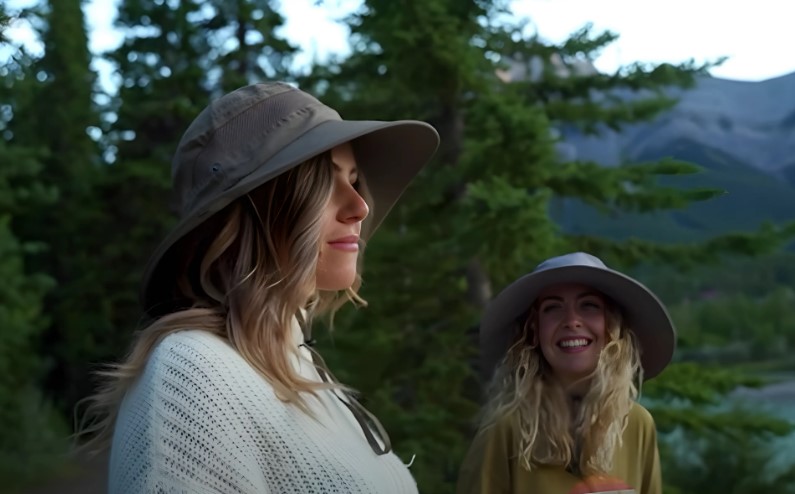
<point x="713" y="442"/>
<point x="697" y="384"/>
<point x="749" y="277"/>
<point x="479" y="216"/>
<point x="755" y="328"/>
<point x="5" y="20"/>
<point x="724" y="465"/>
<point x="732" y="315"/>
<point x="32" y="433"/>
<point x="172" y="54"/>
<point x="686" y="396"/>
<point x="173" y="60"/>
<point x="751" y="197"/>
<point x="422" y="306"/>
<point x="52" y="109"/>
<point x="596" y="101"/>
<point x="111" y="216"/>
<point x="683" y="258"/>
<point x="629" y="188"/>
<point x="163" y="68"/>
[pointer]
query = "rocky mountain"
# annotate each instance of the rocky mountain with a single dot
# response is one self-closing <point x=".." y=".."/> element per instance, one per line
<point x="741" y="133"/>
<point x="752" y="122"/>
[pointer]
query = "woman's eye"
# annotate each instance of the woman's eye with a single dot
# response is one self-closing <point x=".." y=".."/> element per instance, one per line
<point x="356" y="184"/>
<point x="590" y="304"/>
<point x="545" y="309"/>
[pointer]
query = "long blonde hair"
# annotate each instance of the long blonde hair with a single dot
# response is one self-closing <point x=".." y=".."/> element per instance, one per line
<point x="548" y="434"/>
<point x="246" y="274"/>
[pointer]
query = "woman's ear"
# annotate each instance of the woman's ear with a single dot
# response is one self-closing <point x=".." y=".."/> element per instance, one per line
<point x="529" y="333"/>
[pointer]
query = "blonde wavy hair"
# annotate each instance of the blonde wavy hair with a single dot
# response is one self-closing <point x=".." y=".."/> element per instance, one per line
<point x="548" y="434"/>
<point x="246" y="274"/>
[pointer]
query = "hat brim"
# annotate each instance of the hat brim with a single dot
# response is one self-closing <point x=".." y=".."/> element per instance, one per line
<point x="645" y="314"/>
<point x="388" y="154"/>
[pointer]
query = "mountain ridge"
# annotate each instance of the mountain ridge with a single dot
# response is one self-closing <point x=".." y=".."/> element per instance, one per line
<point x="752" y="121"/>
<point x="742" y="135"/>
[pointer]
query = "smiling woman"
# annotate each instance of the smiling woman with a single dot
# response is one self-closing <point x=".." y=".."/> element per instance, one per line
<point x="571" y="342"/>
<point x="570" y="324"/>
<point x="221" y="392"/>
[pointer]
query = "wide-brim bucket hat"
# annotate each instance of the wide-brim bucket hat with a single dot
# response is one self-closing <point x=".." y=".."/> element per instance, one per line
<point x="255" y="133"/>
<point x="645" y="314"/>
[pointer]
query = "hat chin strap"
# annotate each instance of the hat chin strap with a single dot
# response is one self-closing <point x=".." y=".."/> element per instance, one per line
<point x="309" y="342"/>
<point x="366" y="420"/>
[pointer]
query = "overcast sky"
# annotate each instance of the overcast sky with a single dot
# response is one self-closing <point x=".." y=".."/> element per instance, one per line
<point x="757" y="36"/>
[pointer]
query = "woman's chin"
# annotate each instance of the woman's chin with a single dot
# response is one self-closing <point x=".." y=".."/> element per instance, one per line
<point x="337" y="283"/>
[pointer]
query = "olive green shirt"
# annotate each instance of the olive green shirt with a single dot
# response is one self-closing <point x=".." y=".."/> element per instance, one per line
<point x="493" y="465"/>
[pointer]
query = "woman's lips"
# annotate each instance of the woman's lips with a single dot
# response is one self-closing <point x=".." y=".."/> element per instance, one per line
<point x="574" y="344"/>
<point x="347" y="244"/>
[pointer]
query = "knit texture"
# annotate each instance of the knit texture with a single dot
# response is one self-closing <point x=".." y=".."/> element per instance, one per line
<point x="201" y="420"/>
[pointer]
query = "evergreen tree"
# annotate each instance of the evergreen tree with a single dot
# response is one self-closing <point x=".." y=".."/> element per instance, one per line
<point x="4" y="21"/>
<point x="749" y="465"/>
<point x="174" y="58"/>
<point x="56" y="112"/>
<point x="479" y="215"/>
<point x="29" y="438"/>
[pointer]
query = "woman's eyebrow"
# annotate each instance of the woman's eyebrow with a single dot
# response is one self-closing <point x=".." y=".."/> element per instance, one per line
<point x="353" y="171"/>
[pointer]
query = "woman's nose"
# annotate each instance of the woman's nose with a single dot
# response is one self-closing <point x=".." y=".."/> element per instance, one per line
<point x="353" y="206"/>
<point x="572" y="318"/>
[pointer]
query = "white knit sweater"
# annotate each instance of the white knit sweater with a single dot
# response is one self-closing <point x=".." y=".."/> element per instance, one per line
<point x="201" y="420"/>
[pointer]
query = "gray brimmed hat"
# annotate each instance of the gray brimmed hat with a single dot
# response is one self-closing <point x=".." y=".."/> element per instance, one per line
<point x="644" y="312"/>
<point x="251" y="135"/>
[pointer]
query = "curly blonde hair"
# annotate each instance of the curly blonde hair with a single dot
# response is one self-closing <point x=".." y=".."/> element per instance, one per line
<point x="548" y="433"/>
<point x="246" y="274"/>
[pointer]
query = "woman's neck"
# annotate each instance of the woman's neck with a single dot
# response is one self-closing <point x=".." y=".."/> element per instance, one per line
<point x="575" y="389"/>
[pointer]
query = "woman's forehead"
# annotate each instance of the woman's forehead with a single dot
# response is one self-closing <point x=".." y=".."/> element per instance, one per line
<point x="343" y="158"/>
<point x="567" y="290"/>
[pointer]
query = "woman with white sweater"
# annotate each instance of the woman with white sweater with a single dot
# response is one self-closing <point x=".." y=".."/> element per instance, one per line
<point x="220" y="393"/>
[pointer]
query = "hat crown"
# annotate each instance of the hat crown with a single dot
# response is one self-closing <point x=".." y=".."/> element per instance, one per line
<point x="572" y="259"/>
<point x="236" y="134"/>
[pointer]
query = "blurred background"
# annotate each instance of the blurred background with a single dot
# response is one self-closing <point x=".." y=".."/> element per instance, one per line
<point x="659" y="136"/>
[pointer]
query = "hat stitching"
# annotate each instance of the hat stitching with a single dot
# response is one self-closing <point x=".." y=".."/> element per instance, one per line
<point x="228" y="121"/>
